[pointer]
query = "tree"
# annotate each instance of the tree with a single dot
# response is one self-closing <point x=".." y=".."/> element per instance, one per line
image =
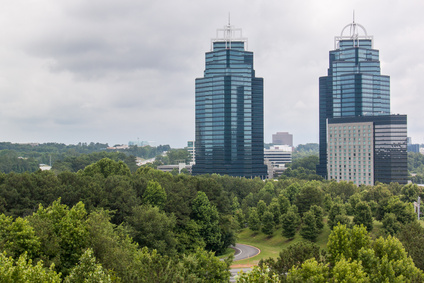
<point x="310" y="194"/>
<point x="204" y="266"/>
<point x="349" y="271"/>
<point x="268" y="223"/>
<point x="412" y="236"/>
<point x="309" y="271"/>
<point x="294" y="254"/>
<point x="336" y="215"/>
<point x="309" y="230"/>
<point x="319" y="215"/>
<point x="257" y="274"/>
<point x="18" y="237"/>
<point x="261" y="208"/>
<point x="267" y="193"/>
<point x="346" y="243"/>
<point x="154" y="195"/>
<point x="390" y="224"/>
<point x="22" y="270"/>
<point x="207" y="217"/>
<point x="291" y="192"/>
<point x="289" y="222"/>
<point x="254" y="222"/>
<point x="88" y="271"/>
<point x="274" y="208"/>
<point x="284" y="203"/>
<point x="363" y="215"/>
<point x="107" y="167"/>
<point x="152" y="228"/>
<point x="63" y="234"/>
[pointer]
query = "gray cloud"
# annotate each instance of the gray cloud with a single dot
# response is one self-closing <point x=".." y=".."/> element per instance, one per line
<point x="113" y="71"/>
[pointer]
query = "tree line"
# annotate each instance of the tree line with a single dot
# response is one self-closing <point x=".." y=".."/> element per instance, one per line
<point x="129" y="225"/>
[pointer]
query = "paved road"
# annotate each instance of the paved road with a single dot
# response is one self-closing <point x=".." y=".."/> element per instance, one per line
<point x="242" y="252"/>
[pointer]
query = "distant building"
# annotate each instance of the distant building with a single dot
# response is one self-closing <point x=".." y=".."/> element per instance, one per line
<point x="412" y="147"/>
<point x="141" y="143"/>
<point x="192" y="150"/>
<point x="366" y="150"/>
<point x="276" y="157"/>
<point x="282" y="138"/>
<point x="122" y="146"/>
<point x="359" y="140"/>
<point x="279" y="155"/>
<point x="229" y="110"/>
<point x="170" y="168"/>
<point x="44" y="167"/>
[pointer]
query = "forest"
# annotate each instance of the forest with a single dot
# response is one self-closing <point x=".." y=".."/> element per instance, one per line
<point x="107" y="223"/>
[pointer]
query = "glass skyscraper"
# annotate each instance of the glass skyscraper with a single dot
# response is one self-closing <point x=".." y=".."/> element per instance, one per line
<point x="353" y="87"/>
<point x="229" y="110"/>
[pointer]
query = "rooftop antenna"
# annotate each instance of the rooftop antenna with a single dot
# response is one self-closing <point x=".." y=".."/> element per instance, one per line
<point x="228" y="34"/>
<point x="354" y="34"/>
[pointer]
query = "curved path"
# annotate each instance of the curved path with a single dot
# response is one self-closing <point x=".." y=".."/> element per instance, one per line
<point x="244" y="251"/>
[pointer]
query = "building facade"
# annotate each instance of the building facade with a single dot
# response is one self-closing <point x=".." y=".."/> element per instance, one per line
<point x="229" y="110"/>
<point x="354" y="88"/>
<point x="281" y="138"/>
<point x="367" y="149"/>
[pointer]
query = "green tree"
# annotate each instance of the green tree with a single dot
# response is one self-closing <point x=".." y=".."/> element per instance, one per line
<point x="87" y="270"/>
<point x="412" y="236"/>
<point x="363" y="215"/>
<point x="261" y="208"/>
<point x="155" y="195"/>
<point x="257" y="274"/>
<point x="107" y="167"/>
<point x="308" y="229"/>
<point x="268" y="223"/>
<point x="284" y="203"/>
<point x="152" y="228"/>
<point x="309" y="271"/>
<point x="63" y="234"/>
<point x="23" y="270"/>
<point x="310" y="194"/>
<point x="319" y="215"/>
<point x="346" y="243"/>
<point x="18" y="237"/>
<point x="207" y="217"/>
<point x="349" y="271"/>
<point x="390" y="224"/>
<point x="289" y="222"/>
<point x="204" y="266"/>
<point x="291" y="192"/>
<point x="336" y="215"/>
<point x="254" y="222"/>
<point x="274" y="208"/>
<point x="294" y="254"/>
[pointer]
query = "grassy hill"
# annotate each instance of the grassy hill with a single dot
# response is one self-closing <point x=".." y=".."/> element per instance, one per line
<point x="271" y="246"/>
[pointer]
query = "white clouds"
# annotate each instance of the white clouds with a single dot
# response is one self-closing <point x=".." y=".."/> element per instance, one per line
<point x="112" y="71"/>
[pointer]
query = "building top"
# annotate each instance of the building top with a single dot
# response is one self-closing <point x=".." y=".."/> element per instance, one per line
<point x="353" y="35"/>
<point x="228" y="35"/>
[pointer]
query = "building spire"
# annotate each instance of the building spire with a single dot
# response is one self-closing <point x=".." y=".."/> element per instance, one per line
<point x="229" y="34"/>
<point x="353" y="34"/>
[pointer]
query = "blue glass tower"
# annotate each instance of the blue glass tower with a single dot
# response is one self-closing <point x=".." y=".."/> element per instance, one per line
<point x="354" y="85"/>
<point x="229" y="110"/>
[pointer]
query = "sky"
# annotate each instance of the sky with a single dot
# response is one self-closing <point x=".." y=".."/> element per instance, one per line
<point x="114" y="71"/>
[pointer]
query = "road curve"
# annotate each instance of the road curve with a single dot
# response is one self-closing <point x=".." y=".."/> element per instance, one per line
<point x="244" y="251"/>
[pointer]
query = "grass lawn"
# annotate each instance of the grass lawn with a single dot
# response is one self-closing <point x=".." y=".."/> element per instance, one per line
<point x="271" y="246"/>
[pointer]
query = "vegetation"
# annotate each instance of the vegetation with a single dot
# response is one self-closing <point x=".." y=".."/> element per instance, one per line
<point x="121" y="225"/>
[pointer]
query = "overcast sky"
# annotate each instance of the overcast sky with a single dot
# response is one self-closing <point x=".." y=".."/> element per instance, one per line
<point x="114" y="71"/>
